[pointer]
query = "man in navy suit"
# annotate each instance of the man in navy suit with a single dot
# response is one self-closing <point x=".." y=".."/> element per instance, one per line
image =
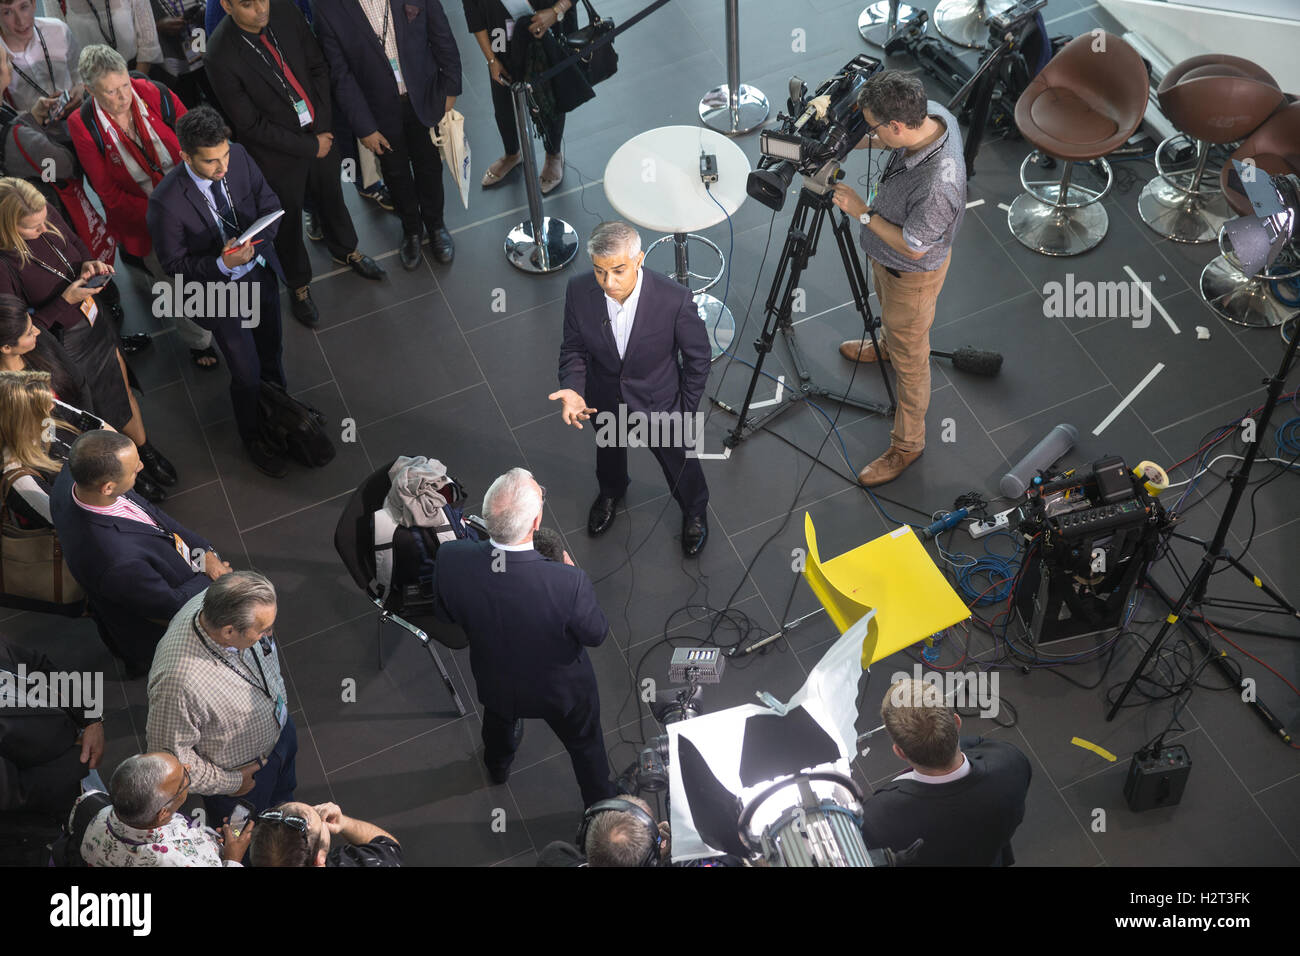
<point x="529" y="622"/>
<point x="396" y="70"/>
<point x="136" y="564"/>
<point x="623" y="329"/>
<point x="196" y="215"/>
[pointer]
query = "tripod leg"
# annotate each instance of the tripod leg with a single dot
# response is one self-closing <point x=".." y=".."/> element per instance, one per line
<point x="1259" y="582"/>
<point x="858" y="286"/>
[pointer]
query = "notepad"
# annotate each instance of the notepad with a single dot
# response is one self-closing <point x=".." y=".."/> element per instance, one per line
<point x="258" y="226"/>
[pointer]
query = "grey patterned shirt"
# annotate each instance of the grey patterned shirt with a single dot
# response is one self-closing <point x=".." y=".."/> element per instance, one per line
<point x="925" y="194"/>
<point x="212" y="707"/>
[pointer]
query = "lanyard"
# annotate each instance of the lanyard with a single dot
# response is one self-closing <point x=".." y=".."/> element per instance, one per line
<point x="278" y="68"/>
<point x="54" y="84"/>
<point x="383" y="37"/>
<point x="225" y="223"/>
<point x="69" y="277"/>
<point x="173" y="9"/>
<point x="111" y="35"/>
<point x="265" y="685"/>
<point x="141" y="153"/>
<point x="893" y="171"/>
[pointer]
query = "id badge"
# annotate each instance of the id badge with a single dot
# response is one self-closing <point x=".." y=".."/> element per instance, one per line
<point x="281" y="711"/>
<point x="304" y="114"/>
<point x="181" y="548"/>
<point x="397" y="69"/>
<point x="192" y="52"/>
<point x="90" y="309"/>
<point x="872" y="193"/>
<point x="510" y="29"/>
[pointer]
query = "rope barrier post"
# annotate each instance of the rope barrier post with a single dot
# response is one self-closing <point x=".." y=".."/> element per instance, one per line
<point x="733" y="108"/>
<point x="541" y="243"/>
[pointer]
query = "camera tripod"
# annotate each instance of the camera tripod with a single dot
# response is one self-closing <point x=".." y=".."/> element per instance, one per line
<point x="1194" y="597"/>
<point x="800" y="246"/>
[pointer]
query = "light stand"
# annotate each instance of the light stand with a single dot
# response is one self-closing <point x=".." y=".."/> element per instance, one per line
<point x="1194" y="598"/>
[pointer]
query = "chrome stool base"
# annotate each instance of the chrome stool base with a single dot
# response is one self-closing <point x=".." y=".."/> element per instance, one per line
<point x="1182" y="216"/>
<point x="874" y="26"/>
<point x="1056" y="230"/>
<point x="1241" y="299"/>
<point x="966" y="22"/>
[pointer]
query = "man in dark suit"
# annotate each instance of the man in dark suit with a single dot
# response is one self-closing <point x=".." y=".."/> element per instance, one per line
<point x="273" y="84"/>
<point x="529" y="622"/>
<point x="196" y="214"/>
<point x="963" y="798"/>
<point x="396" y="70"/>
<point x="136" y="564"/>
<point x="623" y="329"/>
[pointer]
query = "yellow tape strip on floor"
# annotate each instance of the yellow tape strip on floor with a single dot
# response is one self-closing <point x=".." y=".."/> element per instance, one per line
<point x="1089" y="745"/>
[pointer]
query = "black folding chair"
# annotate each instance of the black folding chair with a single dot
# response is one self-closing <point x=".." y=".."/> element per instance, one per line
<point x="354" y="541"/>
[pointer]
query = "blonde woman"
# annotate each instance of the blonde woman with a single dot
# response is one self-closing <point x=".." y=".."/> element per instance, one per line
<point x="44" y="263"/>
<point x="36" y="432"/>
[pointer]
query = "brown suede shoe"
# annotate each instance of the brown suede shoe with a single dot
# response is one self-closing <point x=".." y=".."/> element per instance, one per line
<point x="861" y="350"/>
<point x="887" y="467"/>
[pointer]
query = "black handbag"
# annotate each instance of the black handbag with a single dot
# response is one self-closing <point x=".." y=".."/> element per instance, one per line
<point x="602" y="63"/>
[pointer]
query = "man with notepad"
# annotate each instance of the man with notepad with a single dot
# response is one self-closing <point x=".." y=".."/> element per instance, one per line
<point x="201" y="216"/>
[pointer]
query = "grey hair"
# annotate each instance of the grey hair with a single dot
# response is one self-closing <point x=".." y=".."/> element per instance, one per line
<point x="134" y="789"/>
<point x="617" y="838"/>
<point x="510" y="505"/>
<point x="612" y="238"/>
<point x="233" y="599"/>
<point x="96" y="62"/>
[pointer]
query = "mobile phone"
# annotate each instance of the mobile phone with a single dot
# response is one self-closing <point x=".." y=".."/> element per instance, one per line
<point x="239" y="816"/>
<point x="64" y="98"/>
<point x="98" y="281"/>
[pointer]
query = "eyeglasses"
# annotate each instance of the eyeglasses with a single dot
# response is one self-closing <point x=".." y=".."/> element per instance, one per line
<point x="185" y="786"/>
<point x="279" y="816"/>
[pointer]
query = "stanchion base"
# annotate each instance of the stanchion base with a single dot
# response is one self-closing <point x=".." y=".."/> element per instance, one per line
<point x="553" y="253"/>
<point x="750" y="113"/>
<point x="873" y="24"/>
<point x="718" y="320"/>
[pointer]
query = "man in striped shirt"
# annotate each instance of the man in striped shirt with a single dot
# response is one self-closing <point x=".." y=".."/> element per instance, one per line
<point x="136" y="563"/>
<point x="217" y="699"/>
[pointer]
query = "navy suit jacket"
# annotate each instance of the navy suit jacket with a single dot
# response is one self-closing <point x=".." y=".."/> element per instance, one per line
<point x="185" y="232"/>
<point x="133" y="574"/>
<point x="364" y="85"/>
<point x="529" y="624"/>
<point x="648" y="378"/>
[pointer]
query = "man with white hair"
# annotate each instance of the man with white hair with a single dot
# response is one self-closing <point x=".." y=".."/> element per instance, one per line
<point x="623" y="329"/>
<point x="529" y="622"/>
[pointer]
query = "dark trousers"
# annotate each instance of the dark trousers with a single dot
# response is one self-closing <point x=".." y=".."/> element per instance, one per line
<point x="579" y="731"/>
<point x="413" y="173"/>
<point x="504" y="108"/>
<point x="684" y="475"/>
<point x="272" y="785"/>
<point x="317" y="180"/>
<point x="251" y="354"/>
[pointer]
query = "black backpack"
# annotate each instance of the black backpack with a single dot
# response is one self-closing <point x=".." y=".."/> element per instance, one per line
<point x="66" y="850"/>
<point x="294" y="428"/>
<point x="97" y="134"/>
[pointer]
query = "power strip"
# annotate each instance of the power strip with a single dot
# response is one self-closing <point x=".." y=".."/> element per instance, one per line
<point x="999" y="522"/>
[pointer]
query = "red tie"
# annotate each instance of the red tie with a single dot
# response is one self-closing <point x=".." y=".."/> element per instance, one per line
<point x="288" y="75"/>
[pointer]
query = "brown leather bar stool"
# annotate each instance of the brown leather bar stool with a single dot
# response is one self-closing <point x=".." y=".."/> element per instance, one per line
<point x="1274" y="149"/>
<point x="1083" y="105"/>
<point x="1211" y="100"/>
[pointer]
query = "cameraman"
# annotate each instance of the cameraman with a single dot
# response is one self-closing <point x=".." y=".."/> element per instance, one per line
<point x="909" y="222"/>
<point x="617" y="832"/>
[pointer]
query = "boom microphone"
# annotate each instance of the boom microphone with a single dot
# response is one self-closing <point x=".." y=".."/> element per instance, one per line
<point x="975" y="361"/>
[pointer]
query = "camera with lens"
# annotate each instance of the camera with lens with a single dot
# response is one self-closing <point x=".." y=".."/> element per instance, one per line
<point x="695" y="667"/>
<point x="815" y="135"/>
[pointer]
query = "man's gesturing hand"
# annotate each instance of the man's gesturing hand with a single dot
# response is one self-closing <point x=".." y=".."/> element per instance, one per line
<point x="575" y="410"/>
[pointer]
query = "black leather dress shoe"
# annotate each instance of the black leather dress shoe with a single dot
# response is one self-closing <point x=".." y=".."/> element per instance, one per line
<point x="156" y="466"/>
<point x="363" y="266"/>
<point x="444" y="247"/>
<point x="601" y="515"/>
<point x="409" y="252"/>
<point x="303" y="308"/>
<point x="311" y="226"/>
<point x="499" y="775"/>
<point x="267" y="459"/>
<point x="695" y="531"/>
<point x="137" y="342"/>
<point x="148" y="489"/>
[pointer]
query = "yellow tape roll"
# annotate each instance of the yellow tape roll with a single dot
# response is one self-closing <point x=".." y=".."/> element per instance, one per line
<point x="1153" y="477"/>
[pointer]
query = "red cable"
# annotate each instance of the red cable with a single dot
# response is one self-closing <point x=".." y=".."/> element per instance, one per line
<point x="1251" y="656"/>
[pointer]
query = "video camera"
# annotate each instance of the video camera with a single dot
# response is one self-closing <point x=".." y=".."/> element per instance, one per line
<point x="815" y="136"/>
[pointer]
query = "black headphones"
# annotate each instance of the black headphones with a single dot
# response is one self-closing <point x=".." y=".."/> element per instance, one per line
<point x="617" y="805"/>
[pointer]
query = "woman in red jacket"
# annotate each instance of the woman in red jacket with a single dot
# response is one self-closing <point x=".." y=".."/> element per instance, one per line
<point x="126" y="145"/>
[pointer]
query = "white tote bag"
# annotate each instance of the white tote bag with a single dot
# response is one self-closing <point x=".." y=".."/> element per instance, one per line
<point x="450" y="139"/>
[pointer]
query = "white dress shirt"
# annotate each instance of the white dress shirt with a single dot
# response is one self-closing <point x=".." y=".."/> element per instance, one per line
<point x="206" y="186"/>
<point x="622" y="316"/>
<point x="31" y="60"/>
<point x="957" y="774"/>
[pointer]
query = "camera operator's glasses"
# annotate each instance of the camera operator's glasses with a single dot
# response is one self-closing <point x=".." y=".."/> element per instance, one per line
<point x="278" y="816"/>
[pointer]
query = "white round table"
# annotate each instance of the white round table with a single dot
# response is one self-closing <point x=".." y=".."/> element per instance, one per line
<point x="653" y="181"/>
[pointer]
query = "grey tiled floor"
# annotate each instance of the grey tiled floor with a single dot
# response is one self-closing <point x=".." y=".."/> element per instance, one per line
<point x="423" y="364"/>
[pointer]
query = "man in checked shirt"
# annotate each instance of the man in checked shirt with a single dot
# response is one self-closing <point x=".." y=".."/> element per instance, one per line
<point x="217" y="699"/>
